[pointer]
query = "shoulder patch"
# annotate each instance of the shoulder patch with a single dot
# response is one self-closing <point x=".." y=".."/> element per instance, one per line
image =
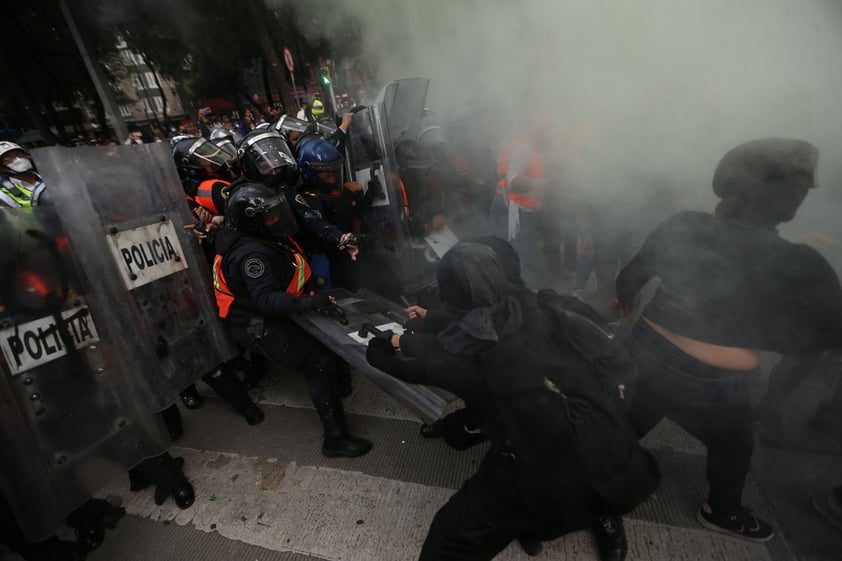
<point x="254" y="267"/>
<point x="300" y="200"/>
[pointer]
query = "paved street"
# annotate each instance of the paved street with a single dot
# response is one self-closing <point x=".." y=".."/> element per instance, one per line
<point x="266" y="493"/>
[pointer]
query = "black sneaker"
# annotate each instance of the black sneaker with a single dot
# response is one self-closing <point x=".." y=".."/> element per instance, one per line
<point x="610" y="536"/>
<point x="743" y="524"/>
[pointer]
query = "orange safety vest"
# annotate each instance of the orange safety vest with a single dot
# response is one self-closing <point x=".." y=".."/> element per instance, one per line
<point x="535" y="169"/>
<point x="225" y="298"/>
<point x="204" y="195"/>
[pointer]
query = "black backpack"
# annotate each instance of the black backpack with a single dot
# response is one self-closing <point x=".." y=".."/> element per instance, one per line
<point x="567" y="431"/>
<point x="594" y="341"/>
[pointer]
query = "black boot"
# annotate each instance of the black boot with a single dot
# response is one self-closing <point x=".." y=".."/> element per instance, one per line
<point x="229" y="388"/>
<point x="610" y="536"/>
<point x="337" y="440"/>
<point x="165" y="472"/>
<point x="342" y="379"/>
<point x="91" y="520"/>
<point x="252" y="370"/>
<point x="191" y="398"/>
<point x="172" y="419"/>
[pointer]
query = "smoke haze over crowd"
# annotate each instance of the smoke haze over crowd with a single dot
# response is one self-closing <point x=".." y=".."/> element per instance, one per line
<point x="633" y="89"/>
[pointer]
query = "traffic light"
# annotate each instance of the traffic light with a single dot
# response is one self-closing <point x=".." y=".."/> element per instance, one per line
<point x="324" y="76"/>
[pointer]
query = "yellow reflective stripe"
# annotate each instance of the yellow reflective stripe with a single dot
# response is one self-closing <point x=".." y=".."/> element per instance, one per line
<point x="299" y="264"/>
<point x="22" y="199"/>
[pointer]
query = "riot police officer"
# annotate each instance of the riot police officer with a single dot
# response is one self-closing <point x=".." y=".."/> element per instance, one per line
<point x="20" y="183"/>
<point x="260" y="279"/>
<point x="265" y="157"/>
<point x="206" y="170"/>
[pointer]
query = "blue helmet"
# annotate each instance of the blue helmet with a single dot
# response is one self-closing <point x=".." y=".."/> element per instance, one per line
<point x="321" y="165"/>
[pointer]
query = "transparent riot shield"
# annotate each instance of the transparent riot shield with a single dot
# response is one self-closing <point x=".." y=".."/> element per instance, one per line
<point x="123" y="209"/>
<point x="72" y="415"/>
<point x="409" y="261"/>
<point x="341" y="332"/>
<point x="403" y="107"/>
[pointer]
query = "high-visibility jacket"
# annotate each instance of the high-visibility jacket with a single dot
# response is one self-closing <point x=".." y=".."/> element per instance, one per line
<point x="17" y="194"/>
<point x="208" y="195"/>
<point x="535" y="169"/>
<point x="225" y="298"/>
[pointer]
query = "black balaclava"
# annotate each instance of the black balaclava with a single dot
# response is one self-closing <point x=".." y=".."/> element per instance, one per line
<point x="763" y="182"/>
<point x="473" y="288"/>
<point x="507" y="258"/>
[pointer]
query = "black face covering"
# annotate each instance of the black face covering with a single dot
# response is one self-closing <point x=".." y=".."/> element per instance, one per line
<point x="763" y="182"/>
<point x="473" y="288"/>
<point x="507" y="257"/>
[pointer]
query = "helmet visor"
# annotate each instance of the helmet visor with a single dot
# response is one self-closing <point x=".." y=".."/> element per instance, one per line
<point x="277" y="216"/>
<point x="207" y="154"/>
<point x="271" y="155"/>
<point x="329" y="175"/>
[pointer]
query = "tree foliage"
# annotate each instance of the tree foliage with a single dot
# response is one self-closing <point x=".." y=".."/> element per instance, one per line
<point x="204" y="46"/>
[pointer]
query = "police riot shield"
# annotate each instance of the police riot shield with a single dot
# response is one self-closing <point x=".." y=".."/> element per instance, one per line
<point x="72" y="415"/>
<point x="343" y="331"/>
<point x="124" y="210"/>
<point x="371" y="139"/>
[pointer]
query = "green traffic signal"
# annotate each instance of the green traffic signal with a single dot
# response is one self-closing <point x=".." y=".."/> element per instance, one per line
<point x="324" y="76"/>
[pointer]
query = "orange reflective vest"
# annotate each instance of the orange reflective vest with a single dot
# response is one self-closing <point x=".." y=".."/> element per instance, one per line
<point x="225" y="298"/>
<point x="535" y="169"/>
<point x="204" y="195"/>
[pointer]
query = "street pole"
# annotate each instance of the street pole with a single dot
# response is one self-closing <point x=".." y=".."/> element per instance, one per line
<point x="330" y="86"/>
<point x="102" y="88"/>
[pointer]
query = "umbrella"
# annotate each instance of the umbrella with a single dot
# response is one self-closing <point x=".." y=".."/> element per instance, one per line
<point x="217" y="105"/>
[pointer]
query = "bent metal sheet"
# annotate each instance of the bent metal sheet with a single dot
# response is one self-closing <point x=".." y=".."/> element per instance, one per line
<point x="147" y="253"/>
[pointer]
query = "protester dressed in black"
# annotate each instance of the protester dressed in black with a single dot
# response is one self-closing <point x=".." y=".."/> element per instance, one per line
<point x="729" y="287"/>
<point x="530" y="486"/>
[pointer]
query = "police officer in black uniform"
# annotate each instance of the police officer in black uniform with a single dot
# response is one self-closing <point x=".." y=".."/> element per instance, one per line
<point x="260" y="279"/>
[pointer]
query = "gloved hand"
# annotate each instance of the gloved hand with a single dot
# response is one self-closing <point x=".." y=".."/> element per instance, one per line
<point x="415" y="324"/>
<point x="353" y="187"/>
<point x="320" y="301"/>
<point x="379" y="348"/>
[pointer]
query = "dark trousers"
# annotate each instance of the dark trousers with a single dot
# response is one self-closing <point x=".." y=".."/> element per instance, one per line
<point x="711" y="404"/>
<point x="486" y="514"/>
<point x="283" y="343"/>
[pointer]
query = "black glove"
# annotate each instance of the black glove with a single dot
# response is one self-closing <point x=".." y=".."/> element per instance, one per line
<point x="320" y="302"/>
<point x="416" y="325"/>
<point x="378" y="349"/>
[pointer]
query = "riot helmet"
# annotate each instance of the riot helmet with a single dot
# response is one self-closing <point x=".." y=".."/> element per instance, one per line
<point x="14" y="159"/>
<point x="321" y="165"/>
<point x="265" y="156"/>
<point x="198" y="158"/>
<point x="288" y="124"/>
<point x="226" y="137"/>
<point x="411" y="154"/>
<point x="258" y="210"/>
<point x="763" y="182"/>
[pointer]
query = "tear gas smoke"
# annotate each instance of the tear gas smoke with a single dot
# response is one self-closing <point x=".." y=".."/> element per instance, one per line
<point x="632" y="90"/>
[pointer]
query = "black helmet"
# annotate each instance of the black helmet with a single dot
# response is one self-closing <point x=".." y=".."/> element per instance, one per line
<point x="199" y="159"/>
<point x="258" y="210"/>
<point x="265" y="156"/>
<point x="411" y="154"/>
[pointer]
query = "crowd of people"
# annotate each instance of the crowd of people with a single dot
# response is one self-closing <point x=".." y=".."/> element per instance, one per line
<point x="281" y="225"/>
